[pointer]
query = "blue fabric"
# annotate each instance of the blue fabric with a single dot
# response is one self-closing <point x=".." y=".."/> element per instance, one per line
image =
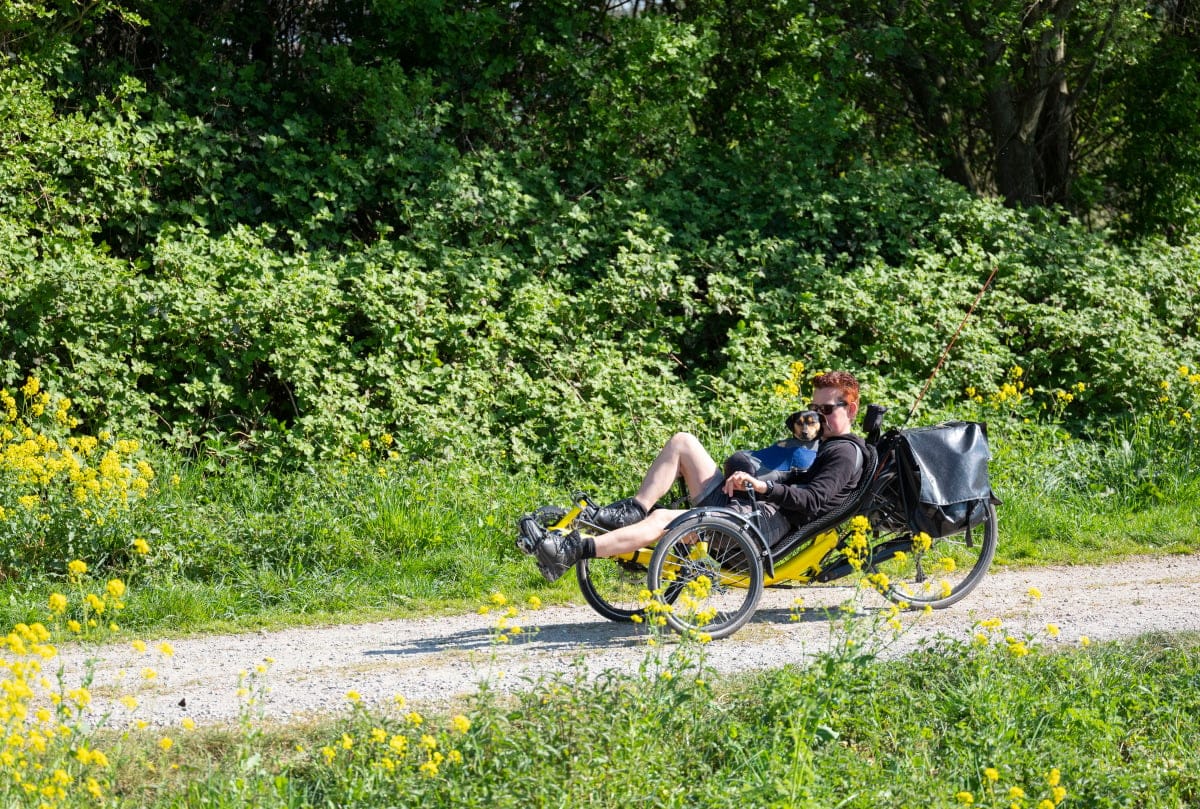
<point x="785" y="456"/>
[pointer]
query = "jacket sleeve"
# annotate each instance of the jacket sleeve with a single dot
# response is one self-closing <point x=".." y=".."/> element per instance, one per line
<point x="822" y="487"/>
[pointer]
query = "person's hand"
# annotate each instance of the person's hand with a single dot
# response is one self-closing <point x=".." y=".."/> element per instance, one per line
<point x="740" y="481"/>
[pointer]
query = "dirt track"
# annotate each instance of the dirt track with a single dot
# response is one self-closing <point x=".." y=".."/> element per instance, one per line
<point x="432" y="660"/>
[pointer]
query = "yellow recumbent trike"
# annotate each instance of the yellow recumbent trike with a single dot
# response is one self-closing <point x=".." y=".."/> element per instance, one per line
<point x="901" y="526"/>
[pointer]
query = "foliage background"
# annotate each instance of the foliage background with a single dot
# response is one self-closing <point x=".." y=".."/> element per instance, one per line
<point x="545" y="234"/>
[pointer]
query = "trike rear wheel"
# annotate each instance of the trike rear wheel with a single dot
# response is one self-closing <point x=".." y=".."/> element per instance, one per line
<point x="706" y="578"/>
<point x="943" y="573"/>
<point x="612" y="587"/>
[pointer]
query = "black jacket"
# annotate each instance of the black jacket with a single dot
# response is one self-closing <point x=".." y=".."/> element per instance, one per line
<point x="824" y="486"/>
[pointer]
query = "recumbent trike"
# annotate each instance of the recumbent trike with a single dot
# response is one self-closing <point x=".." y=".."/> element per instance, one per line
<point x="920" y="525"/>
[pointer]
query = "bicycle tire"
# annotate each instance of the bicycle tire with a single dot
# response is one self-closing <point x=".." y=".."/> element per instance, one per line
<point x="944" y="573"/>
<point x="612" y="587"/>
<point x="706" y="577"/>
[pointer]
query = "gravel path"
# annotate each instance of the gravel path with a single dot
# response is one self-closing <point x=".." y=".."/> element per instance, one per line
<point x="431" y="661"/>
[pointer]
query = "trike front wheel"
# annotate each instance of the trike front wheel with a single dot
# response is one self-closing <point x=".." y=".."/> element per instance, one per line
<point x="706" y="578"/>
<point x="942" y="574"/>
<point x="612" y="587"/>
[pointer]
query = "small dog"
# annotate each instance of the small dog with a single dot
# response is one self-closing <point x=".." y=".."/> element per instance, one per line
<point x="778" y="461"/>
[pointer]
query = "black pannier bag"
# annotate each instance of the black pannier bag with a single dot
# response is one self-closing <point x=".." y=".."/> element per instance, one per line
<point x="944" y="477"/>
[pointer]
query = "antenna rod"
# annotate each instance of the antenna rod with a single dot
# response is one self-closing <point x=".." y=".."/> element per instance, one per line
<point x="946" y="350"/>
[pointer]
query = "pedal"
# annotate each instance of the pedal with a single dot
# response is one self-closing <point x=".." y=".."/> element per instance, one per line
<point x="530" y="534"/>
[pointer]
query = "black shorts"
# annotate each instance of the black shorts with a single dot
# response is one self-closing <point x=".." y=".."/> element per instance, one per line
<point x="773" y="524"/>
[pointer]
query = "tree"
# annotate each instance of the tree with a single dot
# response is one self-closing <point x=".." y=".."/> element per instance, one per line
<point x="1011" y="97"/>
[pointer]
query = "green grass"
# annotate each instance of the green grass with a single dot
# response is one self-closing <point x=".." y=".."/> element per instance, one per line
<point x="233" y="547"/>
<point x="1117" y="722"/>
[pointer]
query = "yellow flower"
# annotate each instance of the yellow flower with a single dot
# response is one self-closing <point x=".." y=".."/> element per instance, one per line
<point x="129" y="702"/>
<point x="1052" y="631"/>
<point x="58" y="603"/>
<point x="1058" y="794"/>
<point x="1016" y="793"/>
<point x="166" y="649"/>
<point x="460" y="723"/>
<point x="354" y="696"/>
<point x="991" y="774"/>
<point x="965" y="798"/>
<point x="188" y="723"/>
<point x="165" y="742"/>
<point x="1034" y="593"/>
<point x="499" y="599"/>
<point x="535" y="603"/>
<point x="1085" y="641"/>
<point x="77" y="568"/>
<point x="141" y="546"/>
<point x="115" y="588"/>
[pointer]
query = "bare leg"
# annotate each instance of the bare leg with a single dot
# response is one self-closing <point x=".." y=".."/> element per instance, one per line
<point x="639" y="535"/>
<point x="684" y="456"/>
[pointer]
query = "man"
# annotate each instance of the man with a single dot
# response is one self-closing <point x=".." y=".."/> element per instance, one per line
<point x="801" y="498"/>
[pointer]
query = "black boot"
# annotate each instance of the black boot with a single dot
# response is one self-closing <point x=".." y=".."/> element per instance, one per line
<point x="615" y="515"/>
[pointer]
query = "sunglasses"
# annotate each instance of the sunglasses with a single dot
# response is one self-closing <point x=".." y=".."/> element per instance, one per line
<point x="825" y="409"/>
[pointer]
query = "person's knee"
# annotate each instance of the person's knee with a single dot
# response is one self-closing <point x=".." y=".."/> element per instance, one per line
<point x="684" y="443"/>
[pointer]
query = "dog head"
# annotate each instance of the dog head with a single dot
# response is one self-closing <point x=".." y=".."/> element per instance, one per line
<point x="804" y="424"/>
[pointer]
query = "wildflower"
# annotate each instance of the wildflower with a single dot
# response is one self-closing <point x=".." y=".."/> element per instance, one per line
<point x="1052" y="631"/>
<point x="187" y="723"/>
<point x="460" y="723"/>
<point x="166" y="649"/>
<point x="149" y="673"/>
<point x="77" y="568"/>
<point x="1046" y="803"/>
<point x="499" y="599"/>
<point x="1016" y="793"/>
<point x="165" y="743"/>
<point x="991" y="774"/>
<point x="141" y="546"/>
<point x="535" y="603"/>
<point x="1085" y="641"/>
<point x="329" y="753"/>
<point x="414" y="719"/>
<point x="354" y="696"/>
<point x="454" y="757"/>
<point x="1058" y="795"/>
<point x="1054" y="777"/>
<point x="58" y="603"/>
<point x="129" y="702"/>
<point x="1034" y="593"/>
<point x="965" y="798"/>
<point x="115" y="588"/>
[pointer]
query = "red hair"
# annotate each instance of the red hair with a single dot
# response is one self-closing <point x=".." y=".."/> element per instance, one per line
<point x="844" y="381"/>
